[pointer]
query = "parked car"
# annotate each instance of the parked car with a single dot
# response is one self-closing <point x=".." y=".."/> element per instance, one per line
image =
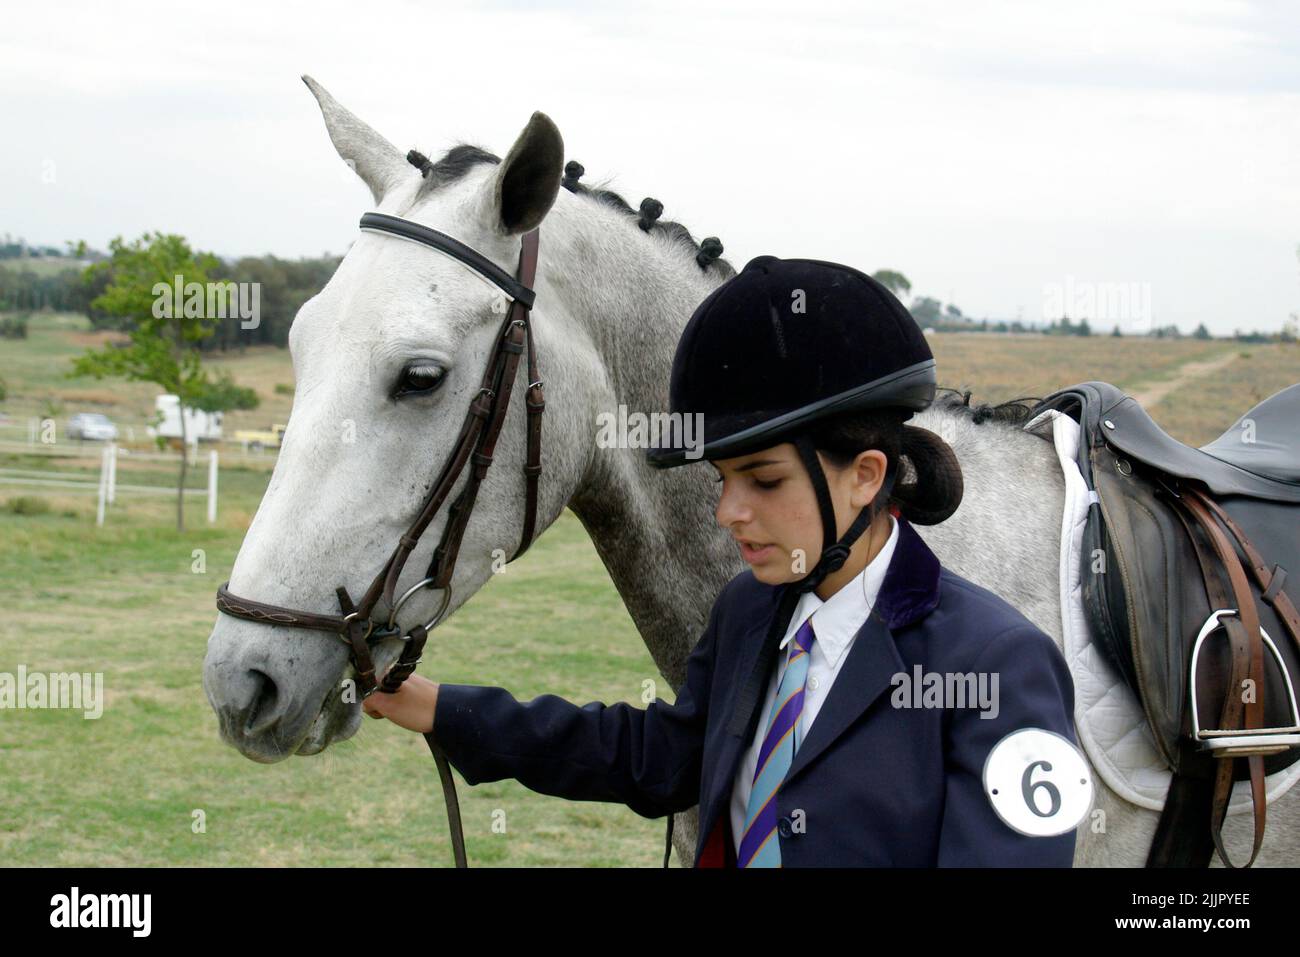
<point x="94" y="426"/>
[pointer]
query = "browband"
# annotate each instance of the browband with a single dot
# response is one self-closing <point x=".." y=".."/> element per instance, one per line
<point x="405" y="229"/>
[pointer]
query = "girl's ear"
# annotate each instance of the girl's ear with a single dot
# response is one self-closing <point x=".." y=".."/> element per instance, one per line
<point x="869" y="475"/>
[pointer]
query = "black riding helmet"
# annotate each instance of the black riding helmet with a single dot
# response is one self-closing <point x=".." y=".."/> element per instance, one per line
<point x="791" y="342"/>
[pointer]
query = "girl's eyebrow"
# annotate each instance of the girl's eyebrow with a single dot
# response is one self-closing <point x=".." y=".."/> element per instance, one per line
<point x="758" y="464"/>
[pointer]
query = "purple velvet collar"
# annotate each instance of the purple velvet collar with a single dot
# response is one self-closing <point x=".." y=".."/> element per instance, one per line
<point x="911" y="587"/>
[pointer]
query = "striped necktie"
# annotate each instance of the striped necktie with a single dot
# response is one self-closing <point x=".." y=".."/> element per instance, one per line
<point x="759" y="846"/>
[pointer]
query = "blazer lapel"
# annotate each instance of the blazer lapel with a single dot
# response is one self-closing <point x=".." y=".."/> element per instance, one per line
<point x="872" y="662"/>
<point x="759" y="622"/>
<point x="910" y="591"/>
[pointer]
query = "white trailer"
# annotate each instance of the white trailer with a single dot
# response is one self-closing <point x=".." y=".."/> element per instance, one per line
<point x="199" y="426"/>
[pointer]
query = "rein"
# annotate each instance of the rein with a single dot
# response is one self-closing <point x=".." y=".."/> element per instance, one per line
<point x="356" y="624"/>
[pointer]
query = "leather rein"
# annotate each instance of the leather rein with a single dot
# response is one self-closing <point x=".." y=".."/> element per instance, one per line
<point x="357" y="624"/>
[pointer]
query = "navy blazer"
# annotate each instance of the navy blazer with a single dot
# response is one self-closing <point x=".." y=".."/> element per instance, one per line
<point x="871" y="785"/>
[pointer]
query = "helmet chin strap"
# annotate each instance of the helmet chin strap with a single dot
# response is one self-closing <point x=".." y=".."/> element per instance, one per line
<point x="834" y="556"/>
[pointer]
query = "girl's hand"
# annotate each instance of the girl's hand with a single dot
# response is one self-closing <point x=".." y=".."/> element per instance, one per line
<point x="412" y="706"/>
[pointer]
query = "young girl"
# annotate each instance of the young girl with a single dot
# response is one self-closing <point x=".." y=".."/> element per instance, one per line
<point x="801" y="731"/>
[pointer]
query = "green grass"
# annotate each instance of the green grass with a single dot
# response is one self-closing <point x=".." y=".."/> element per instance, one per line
<point x="121" y="790"/>
<point x="124" y="600"/>
<point x="41" y="266"/>
<point x="35" y="371"/>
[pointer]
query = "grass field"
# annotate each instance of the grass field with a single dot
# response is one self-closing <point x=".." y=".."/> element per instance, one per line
<point x="127" y="600"/>
<point x="35" y="374"/>
<point x="42" y="266"/>
<point x="998" y="368"/>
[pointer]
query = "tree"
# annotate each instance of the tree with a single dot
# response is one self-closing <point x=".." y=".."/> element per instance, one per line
<point x="1201" y="332"/>
<point x="1116" y="333"/>
<point x="163" y="346"/>
<point x="894" y="281"/>
<point x="926" y="311"/>
<point x="1290" y="328"/>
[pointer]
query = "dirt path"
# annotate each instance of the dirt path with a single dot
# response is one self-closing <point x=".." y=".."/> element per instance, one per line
<point x="1153" y="393"/>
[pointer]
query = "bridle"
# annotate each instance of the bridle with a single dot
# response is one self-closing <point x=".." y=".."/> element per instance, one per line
<point x="356" y="625"/>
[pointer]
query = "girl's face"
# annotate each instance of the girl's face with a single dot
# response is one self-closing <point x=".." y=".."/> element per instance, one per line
<point x="769" y="506"/>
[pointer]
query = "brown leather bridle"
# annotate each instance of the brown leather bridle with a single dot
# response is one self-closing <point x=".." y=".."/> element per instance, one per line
<point x="356" y="626"/>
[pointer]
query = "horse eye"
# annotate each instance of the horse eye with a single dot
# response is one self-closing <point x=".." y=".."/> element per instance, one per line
<point x="418" y="380"/>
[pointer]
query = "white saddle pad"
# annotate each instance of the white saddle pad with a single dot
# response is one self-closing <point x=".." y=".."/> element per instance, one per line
<point x="1107" y="714"/>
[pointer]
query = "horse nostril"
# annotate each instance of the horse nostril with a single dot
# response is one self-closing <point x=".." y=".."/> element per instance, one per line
<point x="263" y="712"/>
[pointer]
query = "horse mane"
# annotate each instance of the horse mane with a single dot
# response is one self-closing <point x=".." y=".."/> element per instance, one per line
<point x="1013" y="412"/>
<point x="461" y="158"/>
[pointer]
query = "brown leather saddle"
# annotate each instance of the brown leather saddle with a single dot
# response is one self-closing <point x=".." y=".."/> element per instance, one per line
<point x="1185" y="565"/>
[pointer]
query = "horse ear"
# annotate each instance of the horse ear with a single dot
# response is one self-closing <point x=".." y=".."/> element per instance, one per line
<point x="373" y="158"/>
<point x="524" y="187"/>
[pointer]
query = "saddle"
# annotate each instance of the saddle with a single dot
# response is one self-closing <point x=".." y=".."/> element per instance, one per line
<point x="1185" y="565"/>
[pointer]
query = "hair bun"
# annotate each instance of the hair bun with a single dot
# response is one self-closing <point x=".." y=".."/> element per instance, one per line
<point x="935" y="488"/>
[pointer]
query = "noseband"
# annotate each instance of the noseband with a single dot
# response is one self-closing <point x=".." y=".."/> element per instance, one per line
<point x="356" y="625"/>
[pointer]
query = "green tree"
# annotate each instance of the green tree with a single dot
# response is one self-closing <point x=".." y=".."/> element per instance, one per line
<point x="163" y="346"/>
<point x="894" y="281"/>
<point x="926" y="311"/>
<point x="1201" y="332"/>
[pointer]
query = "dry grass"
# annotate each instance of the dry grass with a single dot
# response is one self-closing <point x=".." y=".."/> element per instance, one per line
<point x="1001" y="367"/>
<point x="997" y="368"/>
<point x="1198" y="412"/>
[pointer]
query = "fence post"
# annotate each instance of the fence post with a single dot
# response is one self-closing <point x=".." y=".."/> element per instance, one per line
<point x="112" y="472"/>
<point x="103" y="487"/>
<point x="31" y="432"/>
<point x="212" y="486"/>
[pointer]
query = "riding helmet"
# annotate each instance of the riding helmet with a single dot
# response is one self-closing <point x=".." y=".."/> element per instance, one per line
<point x="790" y="342"/>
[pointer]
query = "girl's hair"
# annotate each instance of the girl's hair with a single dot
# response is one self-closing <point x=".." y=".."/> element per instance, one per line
<point x="927" y="476"/>
<point x="841" y="438"/>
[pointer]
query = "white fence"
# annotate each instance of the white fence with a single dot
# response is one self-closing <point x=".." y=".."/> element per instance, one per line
<point x="107" y="487"/>
<point x="27" y="437"/>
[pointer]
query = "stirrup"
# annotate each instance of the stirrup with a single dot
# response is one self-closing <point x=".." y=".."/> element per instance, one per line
<point x="1242" y="741"/>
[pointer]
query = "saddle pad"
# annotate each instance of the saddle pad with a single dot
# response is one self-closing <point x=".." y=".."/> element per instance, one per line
<point x="1108" y="717"/>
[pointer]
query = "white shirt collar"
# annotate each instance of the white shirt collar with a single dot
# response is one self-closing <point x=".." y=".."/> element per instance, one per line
<point x="840" y="617"/>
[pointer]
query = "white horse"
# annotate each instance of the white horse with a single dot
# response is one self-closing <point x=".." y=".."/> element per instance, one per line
<point x="612" y="299"/>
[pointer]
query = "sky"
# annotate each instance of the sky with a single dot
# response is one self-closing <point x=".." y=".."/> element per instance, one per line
<point x="1011" y="158"/>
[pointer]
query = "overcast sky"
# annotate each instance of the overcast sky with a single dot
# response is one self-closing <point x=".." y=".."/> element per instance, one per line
<point x="995" y="154"/>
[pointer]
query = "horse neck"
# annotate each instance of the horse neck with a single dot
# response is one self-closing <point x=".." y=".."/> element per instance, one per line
<point x="630" y="294"/>
<point x="1006" y="534"/>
